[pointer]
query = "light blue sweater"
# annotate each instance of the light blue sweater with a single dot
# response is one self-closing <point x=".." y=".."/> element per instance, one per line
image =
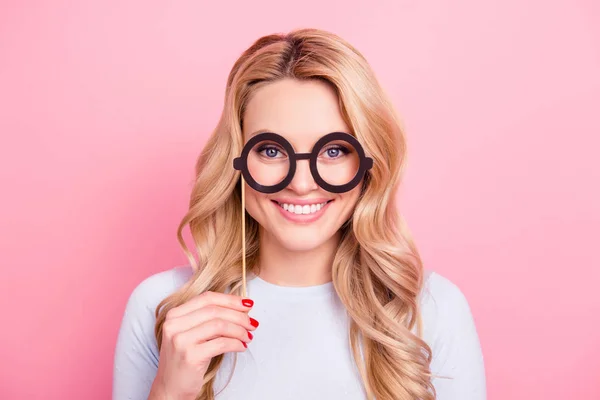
<point x="300" y="349"/>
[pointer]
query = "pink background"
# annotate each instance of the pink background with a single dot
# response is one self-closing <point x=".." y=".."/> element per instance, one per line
<point x="104" y="106"/>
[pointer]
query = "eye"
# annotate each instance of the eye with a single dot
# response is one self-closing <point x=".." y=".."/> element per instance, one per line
<point x="269" y="151"/>
<point x="336" y="151"/>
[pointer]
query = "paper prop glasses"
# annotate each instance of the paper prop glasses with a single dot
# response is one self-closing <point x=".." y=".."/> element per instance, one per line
<point x="337" y="162"/>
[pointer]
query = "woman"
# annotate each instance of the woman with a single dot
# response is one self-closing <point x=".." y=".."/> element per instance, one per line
<point x="338" y="304"/>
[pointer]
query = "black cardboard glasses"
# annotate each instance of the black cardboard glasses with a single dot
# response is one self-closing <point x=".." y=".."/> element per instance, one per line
<point x="241" y="163"/>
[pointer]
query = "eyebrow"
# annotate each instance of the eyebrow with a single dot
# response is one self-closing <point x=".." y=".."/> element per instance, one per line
<point x="259" y="131"/>
<point x="270" y="130"/>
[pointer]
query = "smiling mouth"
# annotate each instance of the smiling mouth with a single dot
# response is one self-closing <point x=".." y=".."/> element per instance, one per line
<point x="302" y="209"/>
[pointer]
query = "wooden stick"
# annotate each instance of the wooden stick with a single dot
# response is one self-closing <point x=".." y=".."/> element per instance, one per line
<point x="243" y="240"/>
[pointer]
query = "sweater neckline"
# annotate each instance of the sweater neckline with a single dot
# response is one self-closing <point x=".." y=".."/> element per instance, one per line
<point x="274" y="289"/>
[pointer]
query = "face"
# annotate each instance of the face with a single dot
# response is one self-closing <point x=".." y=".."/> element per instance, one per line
<point x="297" y="217"/>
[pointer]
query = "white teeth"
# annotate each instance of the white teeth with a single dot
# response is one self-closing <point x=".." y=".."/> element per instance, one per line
<point x="305" y="209"/>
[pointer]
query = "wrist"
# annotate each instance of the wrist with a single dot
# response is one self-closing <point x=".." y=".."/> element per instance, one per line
<point x="159" y="392"/>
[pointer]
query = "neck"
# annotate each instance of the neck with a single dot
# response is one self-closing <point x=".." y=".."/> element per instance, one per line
<point x="286" y="267"/>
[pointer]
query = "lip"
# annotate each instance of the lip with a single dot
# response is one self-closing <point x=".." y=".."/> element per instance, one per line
<point x="302" y="218"/>
<point x="301" y="202"/>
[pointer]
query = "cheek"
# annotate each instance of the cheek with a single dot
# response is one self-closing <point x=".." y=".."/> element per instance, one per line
<point x="348" y="204"/>
<point x="351" y="198"/>
<point x="254" y="204"/>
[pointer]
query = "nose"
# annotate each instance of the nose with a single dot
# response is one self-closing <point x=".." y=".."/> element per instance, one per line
<point x="303" y="181"/>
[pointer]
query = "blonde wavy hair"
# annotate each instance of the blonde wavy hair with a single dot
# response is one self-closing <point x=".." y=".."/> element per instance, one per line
<point x="377" y="271"/>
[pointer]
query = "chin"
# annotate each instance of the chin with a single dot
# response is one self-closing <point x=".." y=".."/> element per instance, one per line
<point x="301" y="243"/>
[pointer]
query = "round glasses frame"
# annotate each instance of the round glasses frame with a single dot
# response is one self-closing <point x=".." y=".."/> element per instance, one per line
<point x="241" y="163"/>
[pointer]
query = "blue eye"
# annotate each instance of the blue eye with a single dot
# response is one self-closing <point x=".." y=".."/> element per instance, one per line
<point x="333" y="152"/>
<point x="336" y="151"/>
<point x="269" y="151"/>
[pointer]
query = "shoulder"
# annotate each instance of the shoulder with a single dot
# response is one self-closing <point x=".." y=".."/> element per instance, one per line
<point x="139" y="318"/>
<point x="442" y="299"/>
<point x="450" y="331"/>
<point x="156" y="287"/>
<point x="136" y="352"/>
<point x="446" y="313"/>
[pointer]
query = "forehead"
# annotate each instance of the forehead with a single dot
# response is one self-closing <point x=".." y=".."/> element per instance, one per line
<point x="300" y="111"/>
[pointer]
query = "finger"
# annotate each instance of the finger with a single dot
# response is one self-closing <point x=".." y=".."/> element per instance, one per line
<point x="213" y="348"/>
<point x="210" y="330"/>
<point x="227" y="300"/>
<point x="205" y="314"/>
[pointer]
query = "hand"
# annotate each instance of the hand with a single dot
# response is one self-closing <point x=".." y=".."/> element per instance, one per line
<point x="192" y="334"/>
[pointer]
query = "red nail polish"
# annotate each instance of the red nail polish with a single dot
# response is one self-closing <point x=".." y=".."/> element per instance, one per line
<point x="253" y="322"/>
<point x="250" y="335"/>
<point x="245" y="345"/>
<point x="247" y="302"/>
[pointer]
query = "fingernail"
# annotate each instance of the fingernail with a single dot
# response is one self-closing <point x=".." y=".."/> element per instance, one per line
<point x="250" y="335"/>
<point x="245" y="345"/>
<point x="253" y="322"/>
<point x="247" y="302"/>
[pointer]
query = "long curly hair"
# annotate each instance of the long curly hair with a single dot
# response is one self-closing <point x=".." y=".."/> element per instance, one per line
<point x="377" y="271"/>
